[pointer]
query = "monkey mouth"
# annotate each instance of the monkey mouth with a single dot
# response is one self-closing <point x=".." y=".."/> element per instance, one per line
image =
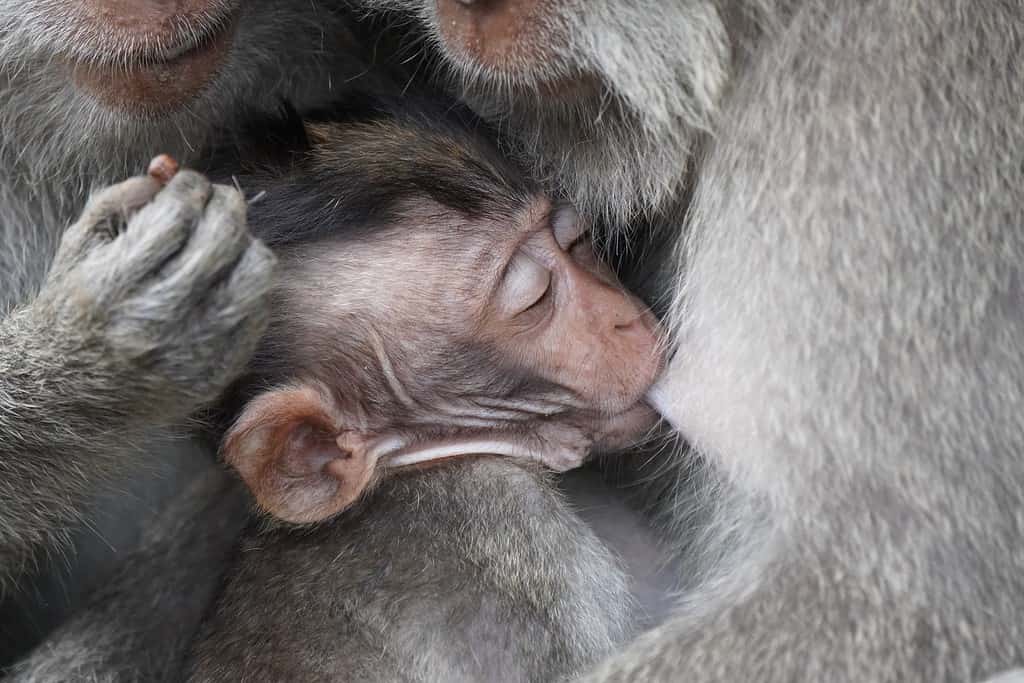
<point x="163" y="80"/>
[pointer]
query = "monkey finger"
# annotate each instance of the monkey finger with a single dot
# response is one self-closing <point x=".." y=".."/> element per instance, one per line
<point x="241" y="299"/>
<point x="105" y="214"/>
<point x="182" y="200"/>
<point x="238" y="309"/>
<point x="162" y="228"/>
<point x="121" y="199"/>
<point x="215" y="246"/>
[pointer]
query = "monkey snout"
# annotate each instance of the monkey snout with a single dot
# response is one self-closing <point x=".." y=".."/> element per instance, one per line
<point x="493" y="32"/>
<point x="152" y="56"/>
<point x="639" y="350"/>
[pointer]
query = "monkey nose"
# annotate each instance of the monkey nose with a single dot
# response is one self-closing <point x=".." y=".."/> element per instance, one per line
<point x="640" y="332"/>
<point x="490" y="31"/>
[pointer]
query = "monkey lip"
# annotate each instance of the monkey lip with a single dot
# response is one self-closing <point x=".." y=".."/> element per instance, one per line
<point x="162" y="81"/>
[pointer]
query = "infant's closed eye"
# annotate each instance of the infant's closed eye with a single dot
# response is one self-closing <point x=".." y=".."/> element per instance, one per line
<point x="526" y="284"/>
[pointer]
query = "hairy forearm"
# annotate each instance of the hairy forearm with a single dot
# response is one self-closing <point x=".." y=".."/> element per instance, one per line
<point x="56" y="392"/>
<point x="174" y="574"/>
<point x="134" y="328"/>
<point x="58" y="430"/>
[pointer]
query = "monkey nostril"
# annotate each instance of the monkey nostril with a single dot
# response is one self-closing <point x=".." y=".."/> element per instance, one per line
<point x="639" y="323"/>
<point x="633" y="329"/>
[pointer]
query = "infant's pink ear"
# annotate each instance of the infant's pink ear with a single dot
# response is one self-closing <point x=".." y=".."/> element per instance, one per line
<point x="285" y="446"/>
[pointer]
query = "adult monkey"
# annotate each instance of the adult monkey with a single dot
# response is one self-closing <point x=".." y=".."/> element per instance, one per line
<point x="848" y="319"/>
<point x="89" y="91"/>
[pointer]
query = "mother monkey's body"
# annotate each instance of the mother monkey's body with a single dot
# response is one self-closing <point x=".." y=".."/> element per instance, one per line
<point x="848" y="314"/>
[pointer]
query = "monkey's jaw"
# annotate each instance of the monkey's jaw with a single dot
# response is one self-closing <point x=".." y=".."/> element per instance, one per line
<point x="162" y="83"/>
<point x="626" y="428"/>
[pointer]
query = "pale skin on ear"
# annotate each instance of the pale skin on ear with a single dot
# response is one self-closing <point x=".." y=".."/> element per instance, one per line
<point x="283" y="449"/>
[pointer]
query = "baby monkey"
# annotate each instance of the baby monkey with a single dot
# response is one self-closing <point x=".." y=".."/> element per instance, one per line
<point x="431" y="303"/>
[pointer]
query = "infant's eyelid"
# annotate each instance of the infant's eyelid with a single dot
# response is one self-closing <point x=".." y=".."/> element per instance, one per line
<point x="526" y="282"/>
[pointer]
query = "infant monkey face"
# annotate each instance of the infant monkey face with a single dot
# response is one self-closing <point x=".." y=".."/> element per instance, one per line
<point x="562" y="315"/>
<point x="555" y="315"/>
<point x="511" y="320"/>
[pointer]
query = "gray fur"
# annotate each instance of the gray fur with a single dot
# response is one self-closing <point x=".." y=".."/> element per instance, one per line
<point x="847" y="317"/>
<point x="137" y="625"/>
<point x="57" y="146"/>
<point x="849" y="367"/>
<point x="101" y="352"/>
<point x="477" y="572"/>
<point x="101" y="344"/>
<point x="115" y="521"/>
<point x="849" y="327"/>
<point x="627" y="150"/>
<point x="1014" y="676"/>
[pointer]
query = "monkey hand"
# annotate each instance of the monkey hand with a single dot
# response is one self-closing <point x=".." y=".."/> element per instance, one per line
<point x="157" y="297"/>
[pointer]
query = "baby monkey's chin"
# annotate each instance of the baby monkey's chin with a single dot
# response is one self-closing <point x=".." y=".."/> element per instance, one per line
<point x="626" y="428"/>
